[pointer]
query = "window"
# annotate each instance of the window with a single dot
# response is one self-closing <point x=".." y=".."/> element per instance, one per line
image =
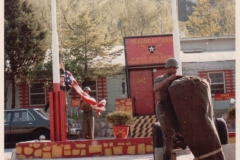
<point x="217" y="84"/>
<point x="22" y="116"/>
<point x="26" y="116"/>
<point x="7" y="116"/>
<point x="37" y="94"/>
<point x="43" y="114"/>
<point x="92" y="85"/>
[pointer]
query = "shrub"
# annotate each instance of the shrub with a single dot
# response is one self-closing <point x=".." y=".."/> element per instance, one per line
<point x="119" y="118"/>
<point x="231" y="113"/>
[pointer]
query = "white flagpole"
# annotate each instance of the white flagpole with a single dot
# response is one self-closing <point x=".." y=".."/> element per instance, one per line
<point x="55" y="49"/>
<point x="176" y="39"/>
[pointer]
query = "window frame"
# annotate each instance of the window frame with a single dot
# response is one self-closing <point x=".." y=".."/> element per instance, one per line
<point x="43" y="114"/>
<point x="223" y="83"/>
<point x="29" y="117"/>
<point x="7" y="116"/>
<point x="40" y="93"/>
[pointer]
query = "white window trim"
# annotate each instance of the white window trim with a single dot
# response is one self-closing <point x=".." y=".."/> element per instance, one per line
<point x="224" y="85"/>
<point x="44" y="93"/>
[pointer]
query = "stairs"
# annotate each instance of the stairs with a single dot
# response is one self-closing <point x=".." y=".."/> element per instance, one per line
<point x="142" y="126"/>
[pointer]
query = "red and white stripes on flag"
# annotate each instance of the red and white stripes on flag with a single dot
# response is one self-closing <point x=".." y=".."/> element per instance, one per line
<point x="71" y="82"/>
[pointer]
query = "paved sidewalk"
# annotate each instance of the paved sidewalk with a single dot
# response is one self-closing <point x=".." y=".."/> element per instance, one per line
<point x="7" y="153"/>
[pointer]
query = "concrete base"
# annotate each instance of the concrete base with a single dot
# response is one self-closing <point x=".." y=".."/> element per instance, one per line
<point x="83" y="148"/>
<point x="102" y="147"/>
<point x="229" y="151"/>
<point x="14" y="155"/>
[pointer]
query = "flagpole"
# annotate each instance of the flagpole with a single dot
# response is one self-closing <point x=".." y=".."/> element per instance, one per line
<point x="55" y="49"/>
<point x="176" y="39"/>
<point x="55" y="108"/>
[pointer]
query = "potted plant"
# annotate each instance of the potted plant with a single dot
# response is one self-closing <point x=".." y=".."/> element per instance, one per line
<point x="119" y="121"/>
<point x="232" y="114"/>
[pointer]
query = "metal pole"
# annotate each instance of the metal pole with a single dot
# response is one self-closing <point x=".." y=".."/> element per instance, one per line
<point x="55" y="49"/>
<point x="176" y="39"/>
<point x="56" y="78"/>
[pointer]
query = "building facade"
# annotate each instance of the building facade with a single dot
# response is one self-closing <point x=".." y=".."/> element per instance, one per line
<point x="212" y="57"/>
<point x="205" y="57"/>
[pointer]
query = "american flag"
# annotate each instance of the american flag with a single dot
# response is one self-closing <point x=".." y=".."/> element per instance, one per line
<point x="71" y="82"/>
<point x="69" y="79"/>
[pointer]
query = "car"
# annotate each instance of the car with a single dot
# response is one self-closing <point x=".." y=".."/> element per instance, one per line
<point x="25" y="124"/>
<point x="74" y="129"/>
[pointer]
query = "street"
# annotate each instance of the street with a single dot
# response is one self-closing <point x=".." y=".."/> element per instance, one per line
<point x="8" y="153"/>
